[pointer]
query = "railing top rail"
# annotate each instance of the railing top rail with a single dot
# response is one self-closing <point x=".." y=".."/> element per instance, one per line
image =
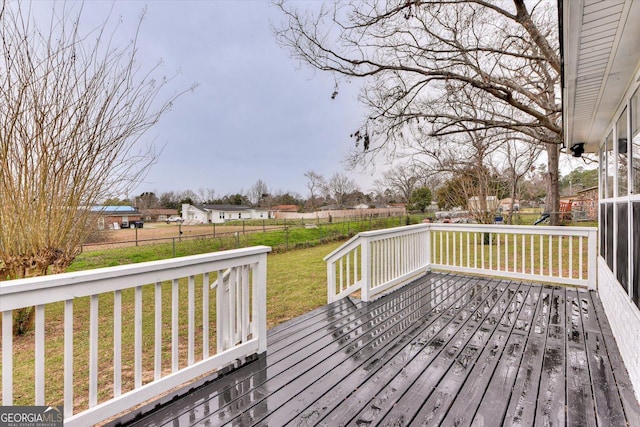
<point x="521" y="229"/>
<point x="542" y="228"/>
<point x="394" y="230"/>
<point x="351" y="243"/>
<point x="58" y="287"/>
<point x="345" y="247"/>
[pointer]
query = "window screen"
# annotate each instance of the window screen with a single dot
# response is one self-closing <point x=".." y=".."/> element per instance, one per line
<point x="609" y="228"/>
<point x="635" y="143"/>
<point x="621" y="135"/>
<point x="622" y="262"/>
<point x="635" y="271"/>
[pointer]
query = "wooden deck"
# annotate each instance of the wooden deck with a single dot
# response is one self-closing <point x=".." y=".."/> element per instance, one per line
<point x="446" y="350"/>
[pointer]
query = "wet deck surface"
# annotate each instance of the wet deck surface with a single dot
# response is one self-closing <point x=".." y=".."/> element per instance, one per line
<point x="446" y="350"/>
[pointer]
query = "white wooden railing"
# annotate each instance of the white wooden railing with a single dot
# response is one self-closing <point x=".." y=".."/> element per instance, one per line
<point x="372" y="262"/>
<point x="166" y="295"/>
<point x="376" y="261"/>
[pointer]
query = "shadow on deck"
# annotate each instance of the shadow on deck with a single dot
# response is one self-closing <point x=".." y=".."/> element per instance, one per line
<point x="444" y="350"/>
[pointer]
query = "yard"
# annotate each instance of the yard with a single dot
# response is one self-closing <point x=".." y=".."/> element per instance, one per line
<point x="161" y="230"/>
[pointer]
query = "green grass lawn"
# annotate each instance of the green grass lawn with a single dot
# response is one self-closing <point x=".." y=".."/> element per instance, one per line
<point x="293" y="237"/>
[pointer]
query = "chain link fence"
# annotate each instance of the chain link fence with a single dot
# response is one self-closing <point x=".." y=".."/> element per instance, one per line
<point x="281" y="236"/>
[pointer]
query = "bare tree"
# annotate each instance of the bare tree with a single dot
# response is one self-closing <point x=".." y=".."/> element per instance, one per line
<point x="383" y="194"/>
<point x="401" y="179"/>
<point x="466" y="158"/>
<point x="462" y="191"/>
<point x="169" y="200"/>
<point x="315" y="184"/>
<point x="519" y="158"/>
<point x="74" y="111"/>
<point x="416" y="56"/>
<point x="188" y="196"/>
<point x="258" y="192"/>
<point x="341" y="186"/>
<point x="147" y="200"/>
<point x="206" y="195"/>
<point x="73" y="115"/>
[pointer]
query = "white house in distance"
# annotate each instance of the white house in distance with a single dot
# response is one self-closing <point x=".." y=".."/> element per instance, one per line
<point x="601" y="114"/>
<point x="217" y="214"/>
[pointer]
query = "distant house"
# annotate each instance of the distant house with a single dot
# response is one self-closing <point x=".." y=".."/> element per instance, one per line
<point x="492" y="204"/>
<point x="216" y="214"/>
<point x="585" y="206"/>
<point x="109" y="216"/>
<point x="330" y="208"/>
<point x="362" y="206"/>
<point x="157" y="215"/>
<point x="285" y="208"/>
<point x="505" y="204"/>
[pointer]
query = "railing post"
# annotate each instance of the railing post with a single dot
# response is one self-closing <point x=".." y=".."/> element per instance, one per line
<point x="427" y="252"/>
<point x="260" y="302"/>
<point x="7" y="358"/>
<point x="592" y="254"/>
<point x="331" y="281"/>
<point x="366" y="269"/>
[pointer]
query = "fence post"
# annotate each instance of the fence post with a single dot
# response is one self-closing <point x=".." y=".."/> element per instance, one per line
<point x="173" y="239"/>
<point x="286" y="237"/>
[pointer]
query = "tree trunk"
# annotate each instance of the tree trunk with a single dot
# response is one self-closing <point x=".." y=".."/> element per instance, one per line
<point x="553" y="192"/>
<point x="24" y="320"/>
<point x="513" y="201"/>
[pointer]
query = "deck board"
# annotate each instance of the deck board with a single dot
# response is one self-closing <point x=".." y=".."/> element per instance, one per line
<point x="441" y="392"/>
<point x="607" y="402"/>
<point x="445" y="350"/>
<point x="580" y="401"/>
<point x="498" y="360"/>
<point x="551" y="390"/>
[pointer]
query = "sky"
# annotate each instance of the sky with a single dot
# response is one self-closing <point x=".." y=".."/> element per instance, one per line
<point x="256" y="112"/>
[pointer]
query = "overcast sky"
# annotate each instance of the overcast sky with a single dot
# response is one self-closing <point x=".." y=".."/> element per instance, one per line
<point x="256" y="114"/>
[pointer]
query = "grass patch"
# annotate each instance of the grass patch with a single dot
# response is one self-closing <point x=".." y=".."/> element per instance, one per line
<point x="281" y="240"/>
<point x="296" y="282"/>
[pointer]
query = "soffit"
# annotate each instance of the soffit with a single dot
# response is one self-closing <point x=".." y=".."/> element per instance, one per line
<point x="601" y="39"/>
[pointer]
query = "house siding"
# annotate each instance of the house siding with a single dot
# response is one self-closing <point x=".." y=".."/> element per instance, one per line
<point x="619" y="228"/>
<point x="208" y="214"/>
<point x="624" y="319"/>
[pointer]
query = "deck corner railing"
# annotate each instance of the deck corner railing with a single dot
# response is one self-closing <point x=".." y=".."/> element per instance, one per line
<point x="172" y="297"/>
<point x="374" y="262"/>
